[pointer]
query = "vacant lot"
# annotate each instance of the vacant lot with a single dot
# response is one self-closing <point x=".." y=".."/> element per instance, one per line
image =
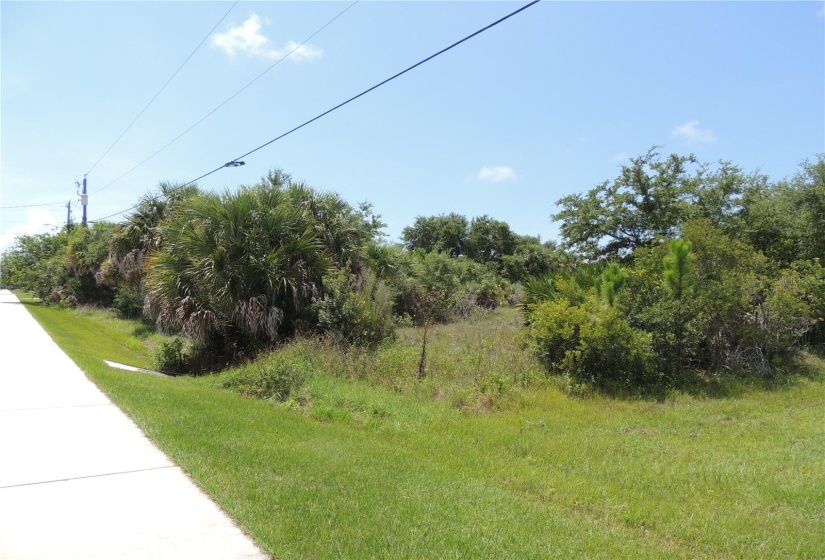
<point x="482" y="458"/>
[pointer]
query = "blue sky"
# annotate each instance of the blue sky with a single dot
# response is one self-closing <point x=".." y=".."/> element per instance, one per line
<point x="546" y="104"/>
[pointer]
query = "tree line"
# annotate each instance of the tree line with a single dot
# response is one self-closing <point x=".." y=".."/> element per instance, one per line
<point x="237" y="271"/>
<point x="673" y="266"/>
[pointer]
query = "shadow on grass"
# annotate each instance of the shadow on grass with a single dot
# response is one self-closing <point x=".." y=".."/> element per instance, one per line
<point x="25" y="298"/>
<point x="804" y="366"/>
<point x="793" y="370"/>
<point x="144" y="329"/>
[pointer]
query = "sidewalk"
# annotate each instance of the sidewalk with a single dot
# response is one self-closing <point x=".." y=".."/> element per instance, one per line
<point x="78" y="479"/>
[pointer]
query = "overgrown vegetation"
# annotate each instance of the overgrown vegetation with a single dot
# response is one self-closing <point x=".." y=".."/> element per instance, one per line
<point x="679" y="283"/>
<point x="238" y="272"/>
<point x="674" y="268"/>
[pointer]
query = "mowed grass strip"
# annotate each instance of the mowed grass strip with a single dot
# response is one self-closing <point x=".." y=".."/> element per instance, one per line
<point x="464" y="465"/>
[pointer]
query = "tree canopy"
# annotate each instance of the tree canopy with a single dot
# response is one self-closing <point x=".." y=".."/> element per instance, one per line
<point x="444" y="233"/>
<point x="649" y="200"/>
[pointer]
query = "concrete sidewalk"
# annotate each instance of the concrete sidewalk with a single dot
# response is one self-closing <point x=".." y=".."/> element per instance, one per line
<point x="78" y="479"/>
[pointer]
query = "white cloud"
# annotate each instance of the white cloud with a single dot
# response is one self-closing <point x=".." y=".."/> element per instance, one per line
<point x="248" y="39"/>
<point x="620" y="157"/>
<point x="496" y="174"/>
<point x="692" y="133"/>
<point x="301" y="52"/>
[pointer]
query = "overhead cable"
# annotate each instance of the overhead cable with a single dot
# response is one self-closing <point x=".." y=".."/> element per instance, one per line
<point x="34" y="205"/>
<point x="162" y="87"/>
<point x="230" y="98"/>
<point x="115" y="214"/>
<point x="366" y="91"/>
<point x="236" y="161"/>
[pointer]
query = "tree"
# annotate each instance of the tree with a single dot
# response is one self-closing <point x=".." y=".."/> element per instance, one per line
<point x="678" y="276"/>
<point x="139" y="233"/>
<point x="489" y="240"/>
<point x="446" y="233"/>
<point x="237" y="264"/>
<point x="345" y="231"/>
<point x="678" y="265"/>
<point x="237" y="270"/>
<point x="718" y="195"/>
<point x="532" y="258"/>
<point x="36" y="263"/>
<point x="810" y="182"/>
<point x="87" y="253"/>
<point x="612" y="280"/>
<point x="62" y="268"/>
<point x="647" y="201"/>
<point x="786" y="220"/>
<point x="20" y="262"/>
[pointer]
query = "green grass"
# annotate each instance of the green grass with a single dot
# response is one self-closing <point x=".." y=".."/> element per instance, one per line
<point x="481" y="459"/>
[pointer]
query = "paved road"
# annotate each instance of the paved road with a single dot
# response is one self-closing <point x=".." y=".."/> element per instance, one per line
<point x="78" y="479"/>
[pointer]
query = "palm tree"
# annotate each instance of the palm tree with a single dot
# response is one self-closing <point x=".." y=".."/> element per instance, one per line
<point x="138" y="234"/>
<point x="242" y="262"/>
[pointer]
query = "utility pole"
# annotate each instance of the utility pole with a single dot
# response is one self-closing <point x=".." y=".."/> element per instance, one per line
<point x="84" y="200"/>
<point x="68" y="215"/>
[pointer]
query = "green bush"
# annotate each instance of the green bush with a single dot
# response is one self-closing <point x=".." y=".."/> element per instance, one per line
<point x="810" y="280"/>
<point x="171" y="356"/>
<point x="128" y="302"/>
<point x="554" y="330"/>
<point x="278" y="378"/>
<point x="612" y="353"/>
<point x="591" y="343"/>
<point x="788" y="313"/>
<point x="530" y="260"/>
<point x="437" y="288"/>
<point x="676" y="326"/>
<point x="362" y="316"/>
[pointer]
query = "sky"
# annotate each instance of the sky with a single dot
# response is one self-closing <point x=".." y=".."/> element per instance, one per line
<point x="549" y="103"/>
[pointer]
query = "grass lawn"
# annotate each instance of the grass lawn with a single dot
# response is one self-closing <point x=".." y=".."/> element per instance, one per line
<point x="481" y="459"/>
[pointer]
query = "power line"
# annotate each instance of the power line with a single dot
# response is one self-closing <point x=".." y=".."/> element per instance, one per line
<point x="115" y="214"/>
<point x="235" y="161"/>
<point x="366" y="91"/>
<point x="163" y="87"/>
<point x="230" y="98"/>
<point x="34" y="205"/>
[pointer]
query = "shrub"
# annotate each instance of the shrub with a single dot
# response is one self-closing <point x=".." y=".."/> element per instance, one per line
<point x="810" y="275"/>
<point x="171" y="357"/>
<point x="787" y="314"/>
<point x="611" y="352"/>
<point x="722" y="307"/>
<point x="529" y="260"/>
<point x="573" y="287"/>
<point x="536" y="290"/>
<point x="591" y="343"/>
<point x="129" y="303"/>
<point x="361" y="316"/>
<point x="651" y="304"/>
<point x="278" y="378"/>
<point x="554" y="329"/>
<point x="489" y="291"/>
<point x="437" y="288"/>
